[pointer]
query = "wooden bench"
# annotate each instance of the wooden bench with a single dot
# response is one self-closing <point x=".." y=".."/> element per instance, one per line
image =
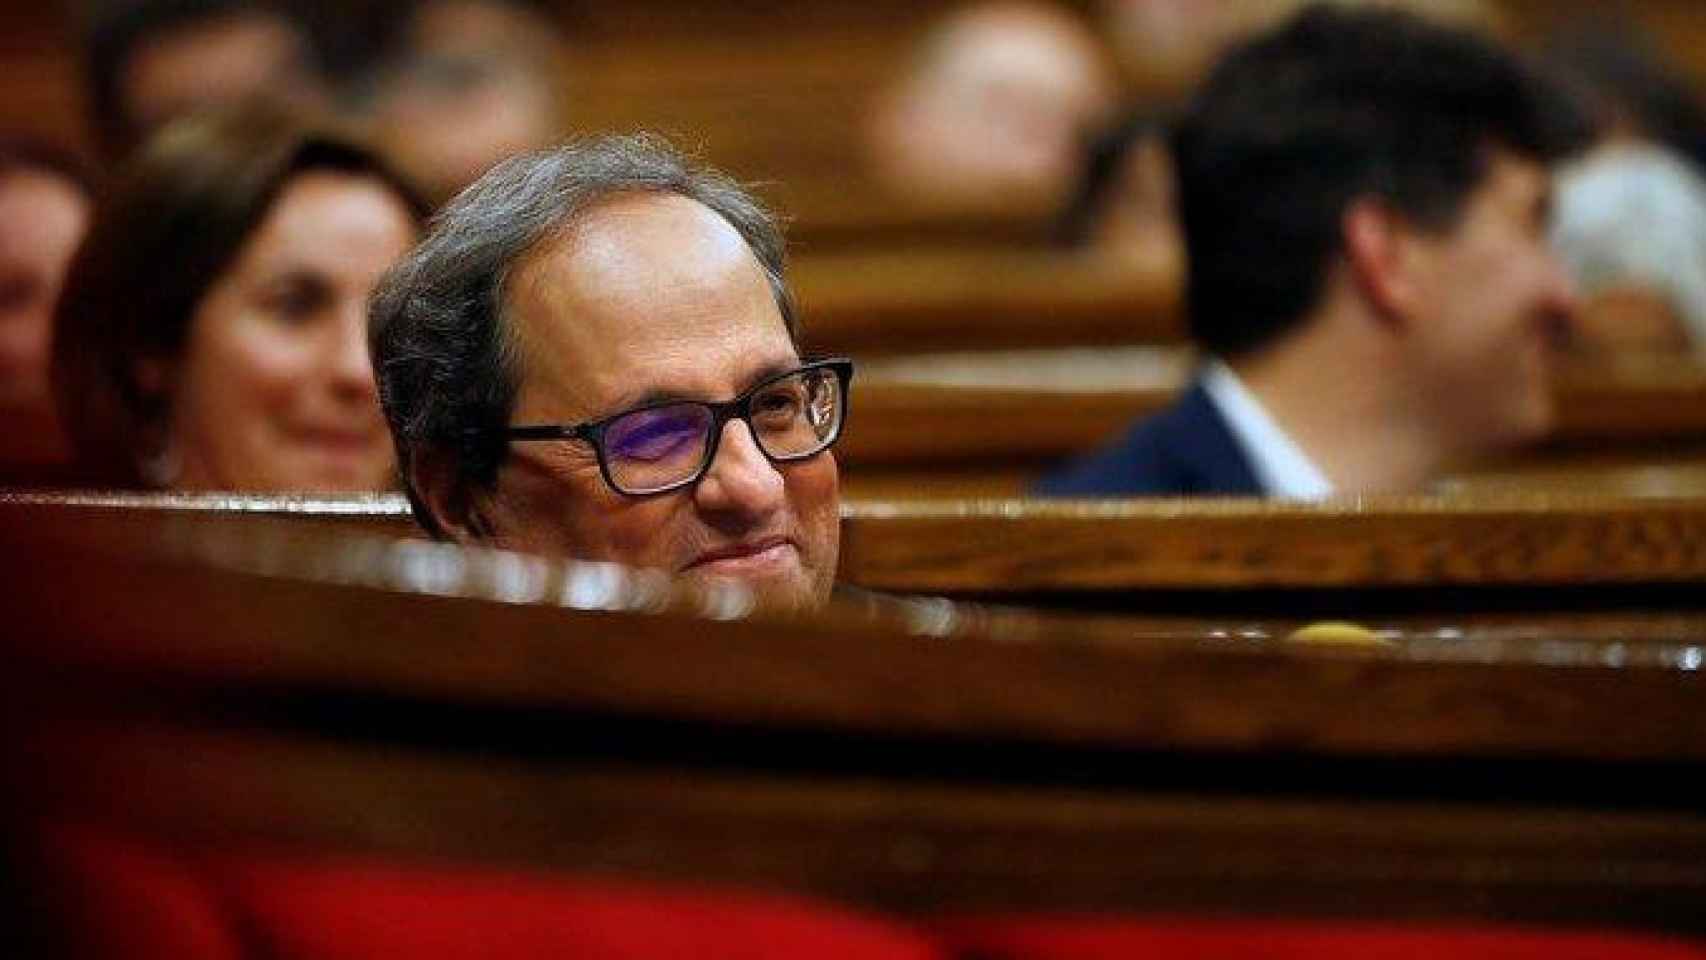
<point x="902" y="302"/>
<point x="1442" y="561"/>
<point x="288" y="686"/>
<point x="971" y="424"/>
<point x="1452" y="562"/>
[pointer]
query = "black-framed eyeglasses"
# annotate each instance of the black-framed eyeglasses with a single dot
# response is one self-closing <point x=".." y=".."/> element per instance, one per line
<point x="668" y="445"/>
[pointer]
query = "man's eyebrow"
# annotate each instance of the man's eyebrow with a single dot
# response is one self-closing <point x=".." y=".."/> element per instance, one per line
<point x="775" y="368"/>
<point x="662" y="395"/>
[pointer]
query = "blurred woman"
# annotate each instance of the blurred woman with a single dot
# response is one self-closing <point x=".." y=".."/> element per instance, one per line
<point x="212" y="332"/>
<point x="44" y="208"/>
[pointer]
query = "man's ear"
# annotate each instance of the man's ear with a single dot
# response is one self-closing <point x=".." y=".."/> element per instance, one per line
<point x="455" y="511"/>
<point x="1380" y="257"/>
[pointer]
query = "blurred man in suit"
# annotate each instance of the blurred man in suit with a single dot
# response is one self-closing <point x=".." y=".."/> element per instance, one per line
<point x="594" y="353"/>
<point x="1364" y="197"/>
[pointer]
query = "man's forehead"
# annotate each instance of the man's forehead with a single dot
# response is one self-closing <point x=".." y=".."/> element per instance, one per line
<point x="651" y="285"/>
<point x="639" y="239"/>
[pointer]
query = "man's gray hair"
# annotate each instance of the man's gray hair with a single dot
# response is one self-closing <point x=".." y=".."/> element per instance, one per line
<point x="443" y="357"/>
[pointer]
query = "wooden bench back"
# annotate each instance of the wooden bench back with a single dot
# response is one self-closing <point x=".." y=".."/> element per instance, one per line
<point x="264" y="683"/>
<point x="1418" y="557"/>
<point x="968" y="425"/>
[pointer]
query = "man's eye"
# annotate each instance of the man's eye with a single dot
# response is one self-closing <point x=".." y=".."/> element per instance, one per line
<point x="778" y="405"/>
<point x="654" y="445"/>
<point x="654" y="437"/>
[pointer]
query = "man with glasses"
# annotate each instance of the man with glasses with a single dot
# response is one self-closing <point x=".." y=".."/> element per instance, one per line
<point x="594" y="353"/>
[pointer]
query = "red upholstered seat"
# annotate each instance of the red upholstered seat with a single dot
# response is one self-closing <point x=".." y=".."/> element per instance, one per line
<point x="117" y="897"/>
<point x="135" y="901"/>
<point x="363" y="911"/>
<point x="130" y="901"/>
<point x="1222" y="939"/>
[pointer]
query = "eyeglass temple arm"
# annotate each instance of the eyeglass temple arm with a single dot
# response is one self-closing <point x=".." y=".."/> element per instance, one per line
<point x="549" y="431"/>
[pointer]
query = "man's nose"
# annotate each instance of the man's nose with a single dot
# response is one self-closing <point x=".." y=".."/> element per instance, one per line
<point x="741" y="480"/>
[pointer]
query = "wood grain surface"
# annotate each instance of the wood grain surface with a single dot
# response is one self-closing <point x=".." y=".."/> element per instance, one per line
<point x="916" y="300"/>
<point x="1120" y="545"/>
<point x="259" y="681"/>
<point x="275" y="602"/>
<point x="1653" y="408"/>
<point x="962" y="425"/>
<point x="1499" y="539"/>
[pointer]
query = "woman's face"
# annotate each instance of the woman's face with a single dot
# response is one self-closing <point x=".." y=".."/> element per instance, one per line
<point x="274" y="390"/>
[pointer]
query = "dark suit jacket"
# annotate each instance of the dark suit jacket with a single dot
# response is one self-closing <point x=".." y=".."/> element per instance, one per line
<point x="1185" y="449"/>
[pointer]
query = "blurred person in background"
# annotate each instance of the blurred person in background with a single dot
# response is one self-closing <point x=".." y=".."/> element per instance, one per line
<point x="995" y="105"/>
<point x="212" y="334"/>
<point x="1630" y="222"/>
<point x="1629" y="89"/>
<point x="149" y="61"/>
<point x="1364" y="196"/>
<point x="45" y="198"/>
<point x="1124" y="205"/>
<point x="465" y="84"/>
<point x="1167" y="45"/>
<point x="1631" y="215"/>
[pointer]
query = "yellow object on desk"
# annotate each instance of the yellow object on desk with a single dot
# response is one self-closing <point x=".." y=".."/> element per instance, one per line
<point x="1337" y="633"/>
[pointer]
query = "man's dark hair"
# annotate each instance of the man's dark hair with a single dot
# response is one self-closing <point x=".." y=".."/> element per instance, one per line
<point x="115" y="37"/>
<point x="443" y="354"/>
<point x="1334" y="105"/>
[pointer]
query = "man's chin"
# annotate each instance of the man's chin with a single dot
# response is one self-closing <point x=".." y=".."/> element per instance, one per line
<point x="777" y="591"/>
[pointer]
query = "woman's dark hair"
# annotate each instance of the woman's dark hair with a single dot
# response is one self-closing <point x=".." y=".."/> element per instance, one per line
<point x="172" y="223"/>
<point x="22" y="153"/>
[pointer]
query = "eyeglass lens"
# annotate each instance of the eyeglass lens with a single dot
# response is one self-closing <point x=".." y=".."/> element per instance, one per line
<point x="791" y="418"/>
<point x="653" y="448"/>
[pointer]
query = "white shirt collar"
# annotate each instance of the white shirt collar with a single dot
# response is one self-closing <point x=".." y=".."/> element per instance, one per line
<point x="1282" y="468"/>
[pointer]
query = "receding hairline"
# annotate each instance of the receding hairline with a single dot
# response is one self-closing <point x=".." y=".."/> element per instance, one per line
<point x="562" y="238"/>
